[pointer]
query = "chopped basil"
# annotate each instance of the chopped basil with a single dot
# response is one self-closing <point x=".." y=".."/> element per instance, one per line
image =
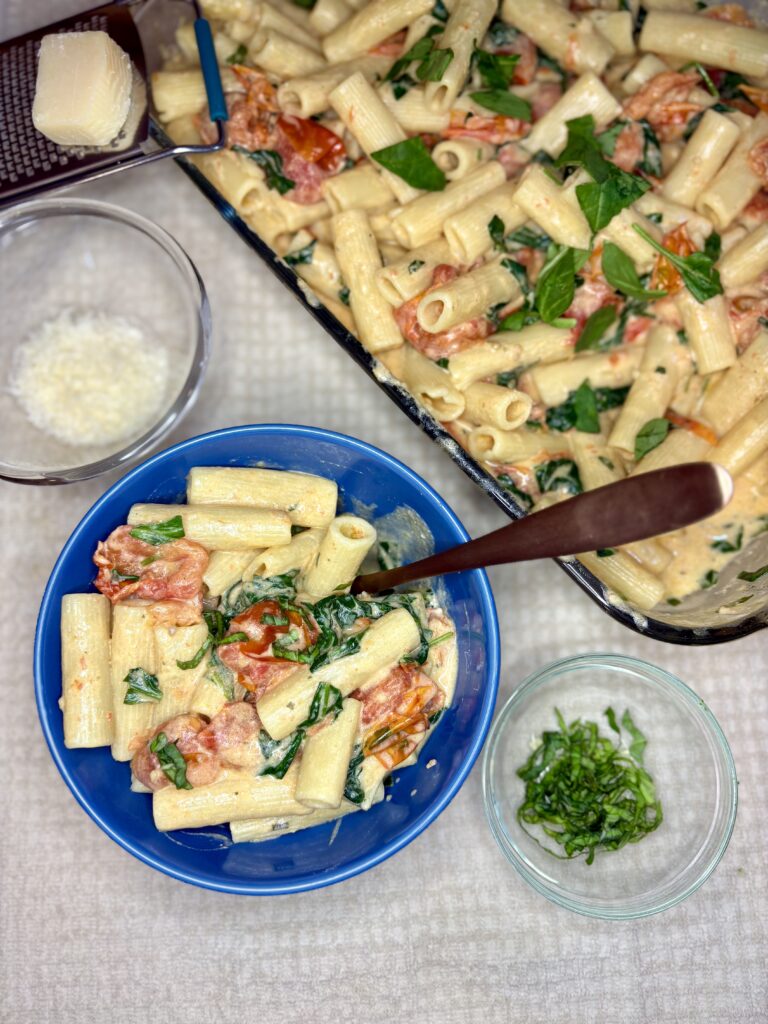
<point x="411" y="161"/>
<point x="727" y="546"/>
<point x="595" y="327"/>
<point x="301" y="255"/>
<point x="601" y="201"/>
<point x="343" y="294"/>
<point x="496" y="231"/>
<point x="606" y="461"/>
<point x="442" y="363"/>
<point x="650" y="436"/>
<point x="558" y="475"/>
<point x="267" y="745"/>
<point x="327" y="699"/>
<point x="119" y="577"/>
<point x="353" y="791"/>
<point x="556" y="283"/>
<point x="713" y="246"/>
<point x="651" y="162"/>
<point x="529" y="239"/>
<point x="270" y="161"/>
<point x="510" y="378"/>
<point x="620" y="273"/>
<point x="502" y="102"/>
<point x="439" y="11"/>
<point x="709" y="579"/>
<point x="387" y="555"/>
<point x="217" y="636"/>
<point x="415" y="265"/>
<point x="518" y="271"/>
<point x="279" y="770"/>
<point x="524" y="500"/>
<point x="698" y="271"/>
<point x="501" y="34"/>
<point x="496" y="69"/>
<point x="402" y="85"/>
<point x="171" y="760"/>
<point x="260" y="588"/>
<point x="274" y="620"/>
<point x="239" y="55"/>
<point x="605" y="552"/>
<point x="580" y="411"/>
<point x="674" y="601"/>
<point x="660" y="369"/>
<point x="704" y="75"/>
<point x="142" y="687"/>
<point x="610" y="398"/>
<point x="419" y="51"/>
<point x="607" y="140"/>
<point x="160" y="533"/>
<point x="434" y="67"/>
<point x="220" y="675"/>
<point x="751" y="577"/>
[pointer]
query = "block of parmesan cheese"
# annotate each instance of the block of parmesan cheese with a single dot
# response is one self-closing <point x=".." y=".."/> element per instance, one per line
<point x="83" y="90"/>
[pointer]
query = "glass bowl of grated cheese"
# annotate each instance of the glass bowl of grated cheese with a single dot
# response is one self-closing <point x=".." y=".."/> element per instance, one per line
<point x="106" y="329"/>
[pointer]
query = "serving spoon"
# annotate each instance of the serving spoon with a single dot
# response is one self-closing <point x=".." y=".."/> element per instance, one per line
<point x="629" y="510"/>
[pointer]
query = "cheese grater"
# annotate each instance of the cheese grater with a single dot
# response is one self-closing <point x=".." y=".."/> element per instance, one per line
<point x="31" y="164"/>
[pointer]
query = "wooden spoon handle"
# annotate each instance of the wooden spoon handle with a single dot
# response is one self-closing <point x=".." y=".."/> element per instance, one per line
<point x="629" y="510"/>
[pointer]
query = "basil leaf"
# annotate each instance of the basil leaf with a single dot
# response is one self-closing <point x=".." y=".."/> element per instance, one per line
<point x="558" y="475"/>
<point x="496" y="231"/>
<point x="411" y="161"/>
<point x="270" y="161"/>
<point x="496" y="69"/>
<point x="353" y="791"/>
<point x="620" y="273"/>
<point x="581" y="408"/>
<point x="502" y="102"/>
<point x="639" y="742"/>
<point x="142" y="687"/>
<point x="698" y="271"/>
<point x="443" y="363"/>
<point x="402" y="85"/>
<point x="434" y="67"/>
<point x="727" y="546"/>
<point x="439" y="11"/>
<point x="607" y="140"/>
<point x="171" y="760"/>
<point x="752" y="577"/>
<point x="278" y="770"/>
<point x="585" y="406"/>
<point x="160" y="533"/>
<point x="709" y="579"/>
<point x="650" y="436"/>
<point x="610" y="714"/>
<point x="419" y="51"/>
<point x="601" y="201"/>
<point x="221" y="675"/>
<point x="524" y="500"/>
<point x="527" y="239"/>
<point x="327" y="699"/>
<point x="198" y="656"/>
<point x="556" y="284"/>
<point x="239" y="55"/>
<point x="518" y="271"/>
<point x="713" y="247"/>
<point x="301" y="255"/>
<point x="349" y="646"/>
<point x="501" y="34"/>
<point x="595" y="327"/>
<point x="583" y="150"/>
<point x="610" y="398"/>
<point x="704" y="75"/>
<point x="651" y="162"/>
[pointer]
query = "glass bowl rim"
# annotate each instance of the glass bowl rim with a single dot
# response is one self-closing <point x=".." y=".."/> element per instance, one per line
<point x="645" y="669"/>
<point x="194" y="288"/>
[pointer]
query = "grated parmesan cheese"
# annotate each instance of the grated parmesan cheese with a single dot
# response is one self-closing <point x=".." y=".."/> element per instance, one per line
<point x="90" y="378"/>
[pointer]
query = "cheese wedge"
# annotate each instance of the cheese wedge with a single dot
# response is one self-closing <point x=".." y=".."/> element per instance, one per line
<point x="83" y="90"/>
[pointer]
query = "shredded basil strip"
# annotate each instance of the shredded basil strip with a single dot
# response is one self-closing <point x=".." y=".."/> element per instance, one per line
<point x="495" y="69"/>
<point x="142" y="687"/>
<point x="327" y="700"/>
<point x="751" y="577"/>
<point x="171" y="760"/>
<point x="160" y="533"/>
<point x="411" y="161"/>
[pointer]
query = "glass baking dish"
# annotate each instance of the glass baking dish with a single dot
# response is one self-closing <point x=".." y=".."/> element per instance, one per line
<point x="730" y="609"/>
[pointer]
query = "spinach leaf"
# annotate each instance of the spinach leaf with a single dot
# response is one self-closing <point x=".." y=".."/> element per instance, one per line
<point x="402" y="85"/>
<point x="496" y="69"/>
<point x="434" y="67"/>
<point x="726" y="545"/>
<point x="698" y="271"/>
<point x="327" y="699"/>
<point x="580" y="411"/>
<point x="279" y="770"/>
<point x="245" y="593"/>
<point x="171" y="761"/>
<point x="419" y="51"/>
<point x="526" y="238"/>
<point x="752" y="577"/>
<point x="270" y="161"/>
<point x="601" y="201"/>
<point x="221" y="675"/>
<point x="713" y="246"/>
<point x="519" y="272"/>
<point x="301" y="255"/>
<point x="651" y="162"/>
<point x="496" y="231"/>
<point x="239" y="55"/>
<point x="502" y="102"/>
<point x="217" y="636"/>
<point x="411" y="161"/>
<point x="524" y="500"/>
<point x="353" y="791"/>
<point x="650" y="436"/>
<point x="558" y="475"/>
<point x="709" y="579"/>
<point x="620" y="273"/>
<point x="610" y="398"/>
<point x="159" y="533"/>
<point x="142" y="687"/>
<point x="595" y="327"/>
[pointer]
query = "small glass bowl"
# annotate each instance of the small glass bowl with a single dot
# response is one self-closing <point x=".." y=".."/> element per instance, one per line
<point x="687" y="755"/>
<point x="86" y="256"/>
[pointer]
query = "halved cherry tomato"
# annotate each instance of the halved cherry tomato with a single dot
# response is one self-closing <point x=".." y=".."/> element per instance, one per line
<point x="262" y="634"/>
<point x="313" y="143"/>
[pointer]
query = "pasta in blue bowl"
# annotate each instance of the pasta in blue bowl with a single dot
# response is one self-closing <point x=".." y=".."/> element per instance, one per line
<point x="262" y="705"/>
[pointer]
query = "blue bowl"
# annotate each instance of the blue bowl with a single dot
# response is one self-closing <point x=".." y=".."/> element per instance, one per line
<point x="367" y="477"/>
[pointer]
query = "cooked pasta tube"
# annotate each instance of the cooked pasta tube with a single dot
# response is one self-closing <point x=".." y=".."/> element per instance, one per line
<point x="221" y="527"/>
<point x="294" y="216"/>
<point x="183" y="130"/>
<point x="172" y="645"/>
<point x="547" y="204"/>
<point x="133" y="646"/>
<point x="422" y="220"/>
<point x="740" y="388"/>
<point x="467" y="231"/>
<point x="176" y="93"/>
<point x="370" y="26"/>
<point x="412" y="274"/>
<point x="613" y="369"/>
<point x="307" y="95"/>
<point x="510" y="350"/>
<point x="279" y="560"/>
<point x="490" y="444"/>
<point x="237" y="794"/>
<point x="86" y="691"/>
<point x="309" y="500"/>
<point x="709" y="40"/>
<point x="457" y="157"/>
<point x="187" y="43"/>
<point x="322" y="273"/>
<point x="239" y="180"/>
<point x="617" y="27"/>
<point x="223" y="10"/>
<point x="360" y="262"/>
<point x="744" y="443"/>
<point x="747" y="260"/>
<point x="500" y="407"/>
<point x="468" y="296"/>
<point x="429" y="383"/>
<point x="256" y="830"/>
<point x="646" y="68"/>
<point x="702" y="158"/>
<point x="286" y="705"/>
<point x="652" y="390"/>
<point x="373" y="126"/>
<point x="621" y="232"/>
<point x="736" y="183"/>
<point x="679" y="446"/>
<point x="413" y="112"/>
<point x="325" y="759"/>
<point x="708" y="328"/>
<point x="362" y="188"/>
<point x="571" y="41"/>
<point x="272" y="17"/>
<point x="339" y="557"/>
<point x="465" y="28"/>
<point x="327" y="15"/>
<point x="673" y="214"/>
<point x="587" y="95"/>
<point x="208" y="698"/>
<point x="279" y="55"/>
<point x="626" y="577"/>
<point x="225" y="568"/>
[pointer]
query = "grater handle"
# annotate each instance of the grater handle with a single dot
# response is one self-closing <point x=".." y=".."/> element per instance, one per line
<point x="217" y="106"/>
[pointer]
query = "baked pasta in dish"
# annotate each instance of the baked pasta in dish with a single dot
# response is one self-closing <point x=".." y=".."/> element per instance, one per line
<point x="548" y="222"/>
<point x="223" y="656"/>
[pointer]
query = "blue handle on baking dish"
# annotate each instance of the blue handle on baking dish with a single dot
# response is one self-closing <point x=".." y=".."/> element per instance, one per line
<point x="217" y="106"/>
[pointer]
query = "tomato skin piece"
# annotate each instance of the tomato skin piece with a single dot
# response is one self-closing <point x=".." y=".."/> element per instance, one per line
<point x="313" y="142"/>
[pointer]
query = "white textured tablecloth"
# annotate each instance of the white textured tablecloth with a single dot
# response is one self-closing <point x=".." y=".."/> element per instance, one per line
<point x="443" y="932"/>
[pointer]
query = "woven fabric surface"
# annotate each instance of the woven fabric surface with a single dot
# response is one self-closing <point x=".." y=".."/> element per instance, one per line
<point x="444" y="932"/>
